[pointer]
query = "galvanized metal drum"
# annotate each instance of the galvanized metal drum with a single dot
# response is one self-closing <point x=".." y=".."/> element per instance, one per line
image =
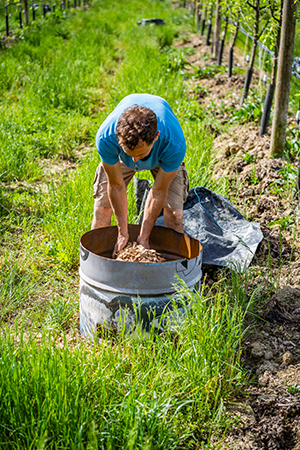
<point x="112" y="290"/>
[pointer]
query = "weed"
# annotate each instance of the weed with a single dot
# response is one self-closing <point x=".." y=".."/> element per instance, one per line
<point x="250" y="111"/>
<point x="60" y="314"/>
<point x="207" y="71"/>
<point x="294" y="389"/>
<point x="166" y="37"/>
<point x="283" y="222"/>
<point x="248" y="158"/>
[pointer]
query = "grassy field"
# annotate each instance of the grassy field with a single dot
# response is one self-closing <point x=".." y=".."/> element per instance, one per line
<point x="58" y="83"/>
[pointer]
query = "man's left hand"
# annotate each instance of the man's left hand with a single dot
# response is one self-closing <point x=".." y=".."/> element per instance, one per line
<point x="143" y="242"/>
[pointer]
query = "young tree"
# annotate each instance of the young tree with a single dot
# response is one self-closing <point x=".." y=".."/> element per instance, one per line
<point x="258" y="15"/>
<point x="217" y="29"/>
<point x="207" y="42"/>
<point x="197" y="7"/>
<point x="286" y="50"/>
<point x="26" y="14"/>
<point x="274" y="42"/>
<point x="203" y="16"/>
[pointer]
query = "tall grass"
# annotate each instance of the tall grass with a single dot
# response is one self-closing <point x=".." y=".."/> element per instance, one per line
<point x="17" y="289"/>
<point x="142" y="391"/>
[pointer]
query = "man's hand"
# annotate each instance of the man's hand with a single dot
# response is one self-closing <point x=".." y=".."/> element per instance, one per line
<point x="120" y="244"/>
<point x="143" y="242"/>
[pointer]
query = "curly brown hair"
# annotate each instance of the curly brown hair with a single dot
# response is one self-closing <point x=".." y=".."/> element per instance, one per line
<point x="137" y="123"/>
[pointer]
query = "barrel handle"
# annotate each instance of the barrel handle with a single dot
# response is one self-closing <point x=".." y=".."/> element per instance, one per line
<point x="84" y="254"/>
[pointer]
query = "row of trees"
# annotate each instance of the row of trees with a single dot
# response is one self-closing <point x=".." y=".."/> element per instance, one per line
<point x="270" y="21"/>
<point x="24" y="9"/>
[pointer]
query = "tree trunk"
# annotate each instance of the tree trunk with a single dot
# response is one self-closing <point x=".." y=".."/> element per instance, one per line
<point x="283" y="77"/>
<point x="217" y="29"/>
<point x="26" y="15"/>
<point x="235" y="33"/>
<point x="277" y="44"/>
<point x="197" y="15"/>
<point x="271" y="88"/>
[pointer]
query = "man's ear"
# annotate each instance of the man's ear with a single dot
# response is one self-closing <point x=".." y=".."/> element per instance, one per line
<point x="156" y="136"/>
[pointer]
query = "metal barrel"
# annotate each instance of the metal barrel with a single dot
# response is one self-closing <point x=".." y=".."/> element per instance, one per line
<point x="108" y="287"/>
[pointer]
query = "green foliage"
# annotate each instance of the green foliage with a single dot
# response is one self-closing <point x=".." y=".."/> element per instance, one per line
<point x="207" y="71"/>
<point x="250" y="111"/>
<point x="287" y="184"/>
<point x="283" y="222"/>
<point x="166" y="37"/>
<point x="294" y="389"/>
<point x="292" y="143"/>
<point x="60" y="314"/>
<point x="248" y="158"/>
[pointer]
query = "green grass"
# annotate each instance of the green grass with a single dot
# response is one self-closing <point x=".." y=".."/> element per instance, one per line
<point x="140" y="391"/>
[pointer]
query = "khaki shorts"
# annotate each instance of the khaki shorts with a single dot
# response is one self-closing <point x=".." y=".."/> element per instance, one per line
<point x="177" y="193"/>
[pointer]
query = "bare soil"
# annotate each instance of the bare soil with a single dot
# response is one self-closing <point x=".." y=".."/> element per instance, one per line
<point x="267" y="415"/>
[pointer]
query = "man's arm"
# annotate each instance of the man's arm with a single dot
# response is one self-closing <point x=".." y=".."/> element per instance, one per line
<point x="118" y="199"/>
<point x="155" y="201"/>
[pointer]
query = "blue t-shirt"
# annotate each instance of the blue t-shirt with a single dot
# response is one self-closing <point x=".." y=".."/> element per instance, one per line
<point x="169" y="149"/>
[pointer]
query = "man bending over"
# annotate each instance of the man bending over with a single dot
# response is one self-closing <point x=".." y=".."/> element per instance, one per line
<point x="142" y="133"/>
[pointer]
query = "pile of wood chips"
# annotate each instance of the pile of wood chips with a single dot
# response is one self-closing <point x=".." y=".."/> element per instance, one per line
<point x="138" y="253"/>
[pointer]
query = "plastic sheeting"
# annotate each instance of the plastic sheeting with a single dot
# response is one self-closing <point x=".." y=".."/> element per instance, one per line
<point x="228" y="239"/>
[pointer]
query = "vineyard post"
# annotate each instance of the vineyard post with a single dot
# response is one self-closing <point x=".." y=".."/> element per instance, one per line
<point x="204" y="12"/>
<point x="230" y="55"/>
<point x="202" y="27"/>
<point x="221" y="46"/>
<point x="6" y="22"/>
<point x="20" y="17"/>
<point x="33" y="11"/>
<point x="286" y="50"/>
<point x="26" y="14"/>
<point x="208" y="33"/>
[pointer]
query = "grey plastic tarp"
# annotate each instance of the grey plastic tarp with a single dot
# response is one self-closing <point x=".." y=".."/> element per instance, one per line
<point x="228" y="239"/>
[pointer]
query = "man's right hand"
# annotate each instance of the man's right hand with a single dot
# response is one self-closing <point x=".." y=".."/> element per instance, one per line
<point x="120" y="244"/>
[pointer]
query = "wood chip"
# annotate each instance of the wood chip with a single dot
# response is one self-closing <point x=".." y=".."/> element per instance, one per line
<point x="138" y="253"/>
